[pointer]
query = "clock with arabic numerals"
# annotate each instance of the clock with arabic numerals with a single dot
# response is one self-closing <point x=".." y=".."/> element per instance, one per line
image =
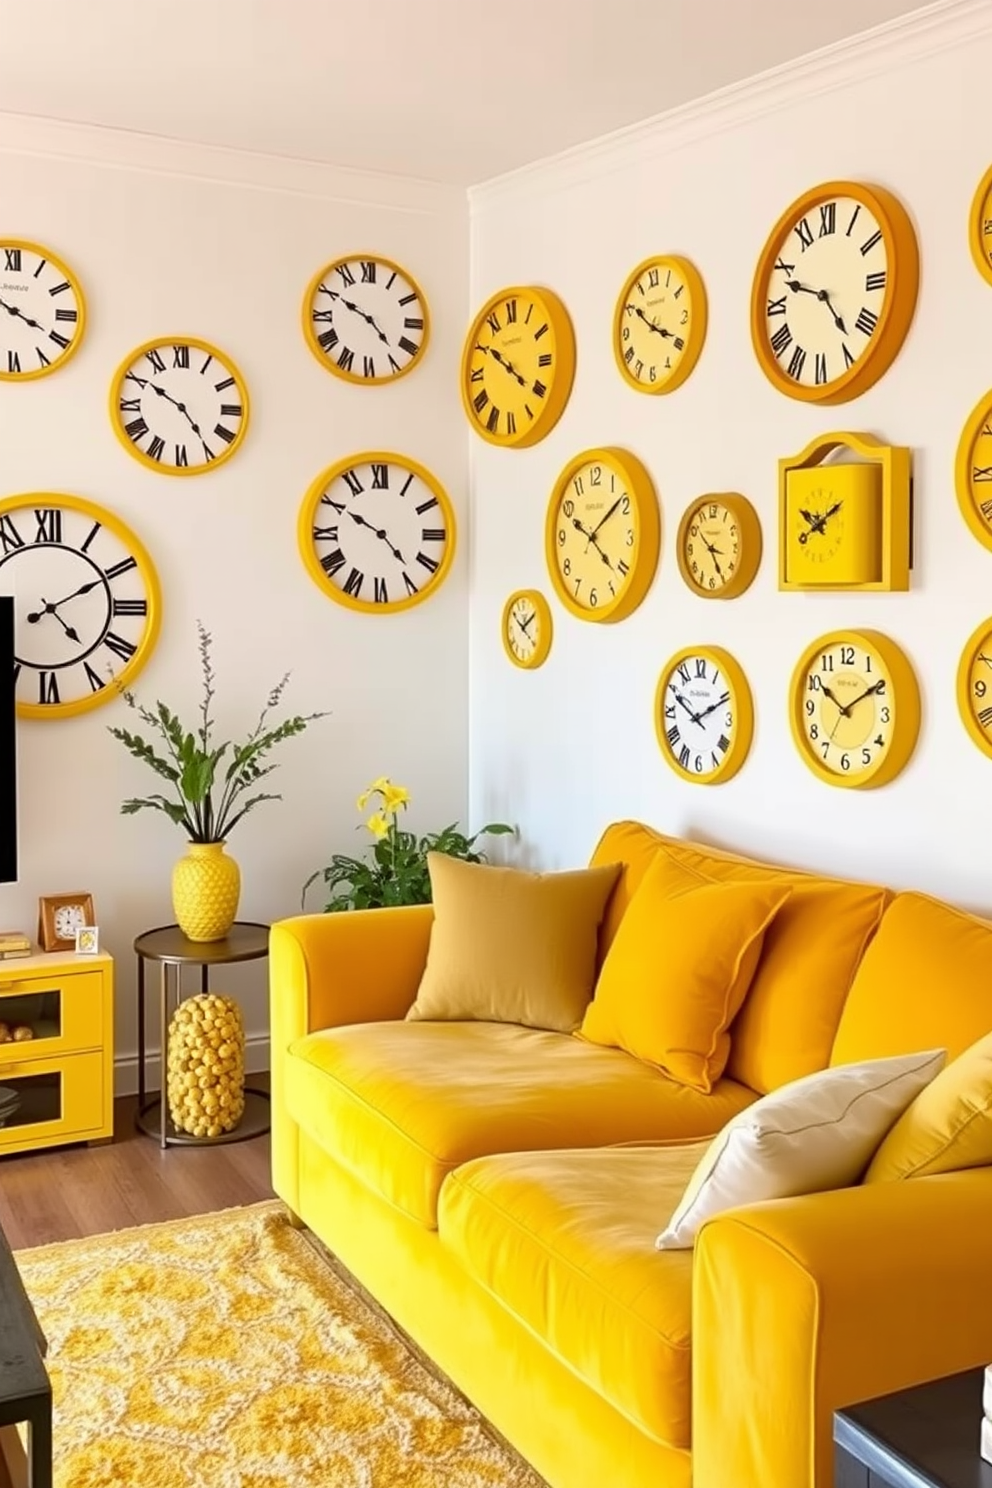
<point x="179" y="405"/>
<point x="42" y="312"/>
<point x="377" y="532"/>
<point x="366" y="319"/>
<point x="87" y="602"/>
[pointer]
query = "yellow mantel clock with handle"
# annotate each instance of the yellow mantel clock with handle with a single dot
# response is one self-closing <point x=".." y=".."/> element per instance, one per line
<point x="974" y="687"/>
<point x="703" y="715"/>
<point x="854" y="708"/>
<point x="518" y="364"/>
<point x="527" y="629"/>
<point x="659" y="324"/>
<point x="602" y="535"/>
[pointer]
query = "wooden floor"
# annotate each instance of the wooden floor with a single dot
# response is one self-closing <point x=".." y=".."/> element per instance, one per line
<point x="66" y="1192"/>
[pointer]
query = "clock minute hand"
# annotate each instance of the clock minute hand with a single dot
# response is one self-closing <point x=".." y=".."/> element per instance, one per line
<point x="844" y="711"/>
<point x="605" y="518"/>
<point x="713" y="706"/>
<point x="867" y="693"/>
<point x="815" y="521"/>
<point x="838" y="320"/>
<point x="696" y="717"/>
<point x="591" y="538"/>
<point x="176" y="404"/>
<point x="51" y="609"/>
<point x="14" y="310"/>
<point x="380" y="533"/>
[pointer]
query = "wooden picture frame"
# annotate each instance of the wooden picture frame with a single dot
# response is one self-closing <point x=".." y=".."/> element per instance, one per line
<point x="51" y="919"/>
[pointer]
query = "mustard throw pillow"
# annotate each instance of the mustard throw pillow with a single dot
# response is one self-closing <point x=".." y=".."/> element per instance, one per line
<point x="948" y="1126"/>
<point x="677" y="973"/>
<point x="512" y="947"/>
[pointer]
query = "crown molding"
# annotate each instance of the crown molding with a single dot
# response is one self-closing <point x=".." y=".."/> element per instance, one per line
<point x="122" y="149"/>
<point x="938" y="27"/>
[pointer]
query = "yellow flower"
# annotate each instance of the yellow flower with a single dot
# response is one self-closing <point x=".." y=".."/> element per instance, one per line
<point x="377" y="824"/>
<point x="381" y="785"/>
<point x="393" y="797"/>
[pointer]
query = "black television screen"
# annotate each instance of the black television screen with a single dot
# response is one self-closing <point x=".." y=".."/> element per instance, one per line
<point x="8" y="761"/>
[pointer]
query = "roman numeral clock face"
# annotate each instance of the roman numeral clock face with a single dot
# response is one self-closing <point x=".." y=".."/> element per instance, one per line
<point x="41" y="311"/>
<point x="366" y="320"/>
<point x="377" y="532"/>
<point x="179" y="406"/>
<point x="86" y="602"/>
<point x="834" y="292"/>
<point x="517" y="367"/>
<point x="704" y="716"/>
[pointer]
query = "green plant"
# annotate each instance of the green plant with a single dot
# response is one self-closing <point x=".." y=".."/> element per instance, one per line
<point x="208" y="781"/>
<point x="397" y="872"/>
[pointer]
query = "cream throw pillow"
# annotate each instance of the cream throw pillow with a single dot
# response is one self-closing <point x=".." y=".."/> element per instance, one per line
<point x="512" y="947"/>
<point x="814" y="1134"/>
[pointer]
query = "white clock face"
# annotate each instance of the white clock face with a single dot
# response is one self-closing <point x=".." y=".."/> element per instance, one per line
<point x="180" y="407"/>
<point x="366" y="319"/>
<point x="826" y="291"/>
<point x="699" y="719"/>
<point x="41" y="311"/>
<point x="68" y="918"/>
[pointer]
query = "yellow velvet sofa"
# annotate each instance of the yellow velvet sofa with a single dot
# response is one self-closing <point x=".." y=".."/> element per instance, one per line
<point x="499" y="1190"/>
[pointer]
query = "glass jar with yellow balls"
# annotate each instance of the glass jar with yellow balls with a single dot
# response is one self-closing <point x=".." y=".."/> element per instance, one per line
<point x="206" y="1065"/>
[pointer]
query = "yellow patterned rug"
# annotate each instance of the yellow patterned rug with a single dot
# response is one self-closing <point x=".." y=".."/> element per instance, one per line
<point x="229" y="1351"/>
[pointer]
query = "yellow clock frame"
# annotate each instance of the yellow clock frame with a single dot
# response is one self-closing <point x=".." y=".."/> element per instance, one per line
<point x="60" y="361"/>
<point x="129" y="444"/>
<point x="542" y="609"/>
<point x="741" y="704"/>
<point x="980" y="227"/>
<point x="310" y="335"/>
<point x="698" y="319"/>
<point x="898" y="308"/>
<point x="979" y="732"/>
<point x="971" y="505"/>
<point x="880" y="505"/>
<point x="149" y="578"/>
<point x="563" y="373"/>
<point x="749" y="529"/>
<point x="646" y="549"/>
<point x="906" y="700"/>
<point x="304" y="532"/>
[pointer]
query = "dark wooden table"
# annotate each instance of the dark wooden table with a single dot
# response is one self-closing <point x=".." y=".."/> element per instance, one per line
<point x="926" y="1437"/>
<point x="25" y="1389"/>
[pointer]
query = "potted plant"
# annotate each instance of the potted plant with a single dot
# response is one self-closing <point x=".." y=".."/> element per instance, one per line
<point x="208" y="795"/>
<point x="397" y="872"/>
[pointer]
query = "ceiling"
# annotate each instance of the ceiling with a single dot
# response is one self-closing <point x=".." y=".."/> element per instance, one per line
<point x="447" y="90"/>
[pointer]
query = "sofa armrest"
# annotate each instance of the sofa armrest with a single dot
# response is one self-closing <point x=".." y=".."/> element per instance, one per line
<point x="360" y="966"/>
<point x="805" y="1305"/>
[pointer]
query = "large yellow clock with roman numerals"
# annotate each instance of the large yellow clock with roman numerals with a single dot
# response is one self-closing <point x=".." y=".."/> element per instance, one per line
<point x="517" y="366"/>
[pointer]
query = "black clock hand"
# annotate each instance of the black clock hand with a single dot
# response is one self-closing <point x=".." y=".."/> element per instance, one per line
<point x="52" y="609"/>
<point x="844" y="711"/>
<point x="876" y="687"/>
<point x="13" y="310"/>
<point x="380" y="533"/>
<point x="838" y="321"/>
<point x="651" y="324"/>
<point x="696" y="717"/>
<point x="498" y="357"/>
<point x="605" y="518"/>
<point x="713" y="552"/>
<point x="713" y="706"/>
<point x="523" y="626"/>
<point x="176" y="404"/>
<point x="370" y="319"/>
<point x="817" y="522"/>
<point x="591" y="539"/>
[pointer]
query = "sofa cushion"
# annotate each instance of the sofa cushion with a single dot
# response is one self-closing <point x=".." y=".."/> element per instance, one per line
<point x="947" y="1127"/>
<point x="787" y="1025"/>
<point x="402" y="1104"/>
<point x="925" y="982"/>
<point x="565" y="1241"/>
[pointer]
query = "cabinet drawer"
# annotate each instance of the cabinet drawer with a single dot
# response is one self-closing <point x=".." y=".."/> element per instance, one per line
<point x="57" y="1100"/>
<point x="64" y="1010"/>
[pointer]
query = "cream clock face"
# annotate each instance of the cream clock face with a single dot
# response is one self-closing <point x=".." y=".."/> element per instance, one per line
<point x="41" y="311"/>
<point x="365" y="319"/>
<point x="68" y="918"/>
<point x="660" y="324"/>
<point x="527" y="629"/>
<point x="179" y="406"/>
<point x="713" y="546"/>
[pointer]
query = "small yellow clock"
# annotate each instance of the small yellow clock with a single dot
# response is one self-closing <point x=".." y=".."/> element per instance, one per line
<point x="527" y="629"/>
<point x="518" y="364"/>
<point x="602" y="535"/>
<point x="980" y="227"/>
<point x="719" y="545"/>
<point x="975" y="687"/>
<point x="659" y="325"/>
<point x="704" y="715"/>
<point x="855" y="708"/>
<point x="42" y="311"/>
<point x="179" y="405"/>
<point x="365" y="319"/>
<point x="973" y="470"/>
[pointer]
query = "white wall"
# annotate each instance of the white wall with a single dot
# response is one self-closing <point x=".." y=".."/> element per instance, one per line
<point x="169" y="238"/>
<point x="567" y="749"/>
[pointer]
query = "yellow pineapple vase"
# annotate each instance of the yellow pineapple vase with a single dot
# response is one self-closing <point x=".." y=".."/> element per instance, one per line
<point x="206" y="887"/>
<point x="206" y="1066"/>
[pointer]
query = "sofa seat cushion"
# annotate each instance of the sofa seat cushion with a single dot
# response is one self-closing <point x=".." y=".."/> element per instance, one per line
<point x="402" y="1104"/>
<point x="565" y="1241"/>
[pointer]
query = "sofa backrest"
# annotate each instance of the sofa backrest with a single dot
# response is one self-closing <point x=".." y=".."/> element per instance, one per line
<point x="789" y="1021"/>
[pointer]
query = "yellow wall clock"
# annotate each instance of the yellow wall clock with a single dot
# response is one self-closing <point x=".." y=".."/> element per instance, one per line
<point x="834" y="292"/>
<point x="973" y="470"/>
<point x="845" y="524"/>
<point x="719" y="545"/>
<point x="88" y="604"/>
<point x="527" y="629"/>
<point x="518" y="364"/>
<point x="704" y="715"/>
<point x="179" y="405"/>
<point x="42" y="311"/>
<point x="980" y="227"/>
<point x="854" y="708"/>
<point x="377" y="532"/>
<point x="659" y="324"/>
<point x="974" y="687"/>
<point x="366" y="319"/>
<point x="602" y="534"/>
